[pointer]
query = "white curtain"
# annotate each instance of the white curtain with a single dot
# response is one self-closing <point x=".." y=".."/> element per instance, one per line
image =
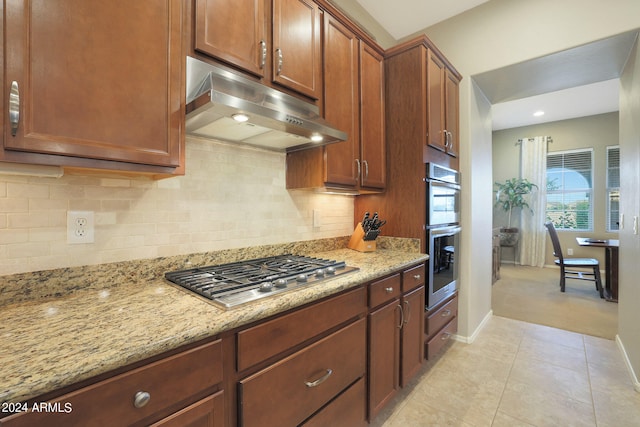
<point x="533" y="234"/>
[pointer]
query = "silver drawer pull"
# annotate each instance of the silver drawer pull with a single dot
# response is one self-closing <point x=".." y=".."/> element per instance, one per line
<point x="388" y="290"/>
<point x="417" y="276"/>
<point x="446" y="313"/>
<point x="141" y="399"/>
<point x="445" y="336"/>
<point x="319" y="380"/>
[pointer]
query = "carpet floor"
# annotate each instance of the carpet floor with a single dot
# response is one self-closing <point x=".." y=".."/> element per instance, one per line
<point x="533" y="295"/>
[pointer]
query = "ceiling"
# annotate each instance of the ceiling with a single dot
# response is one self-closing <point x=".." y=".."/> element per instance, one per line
<point x="578" y="82"/>
<point x="403" y="17"/>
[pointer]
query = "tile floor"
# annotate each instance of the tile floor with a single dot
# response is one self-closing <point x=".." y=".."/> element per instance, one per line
<point x="520" y="374"/>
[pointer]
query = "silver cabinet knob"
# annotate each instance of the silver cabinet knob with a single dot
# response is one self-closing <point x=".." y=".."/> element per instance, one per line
<point x="388" y="290"/>
<point x="141" y="399"/>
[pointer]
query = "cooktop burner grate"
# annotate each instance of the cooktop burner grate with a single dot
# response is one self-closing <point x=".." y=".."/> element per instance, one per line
<point x="236" y="283"/>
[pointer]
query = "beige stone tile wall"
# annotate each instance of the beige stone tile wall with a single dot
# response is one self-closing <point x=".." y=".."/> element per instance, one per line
<point x="230" y="197"/>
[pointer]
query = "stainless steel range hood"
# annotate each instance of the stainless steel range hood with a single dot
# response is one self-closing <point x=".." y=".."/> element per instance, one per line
<point x="216" y="98"/>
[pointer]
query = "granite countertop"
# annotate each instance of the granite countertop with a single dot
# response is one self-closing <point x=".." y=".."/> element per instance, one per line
<point x="58" y="337"/>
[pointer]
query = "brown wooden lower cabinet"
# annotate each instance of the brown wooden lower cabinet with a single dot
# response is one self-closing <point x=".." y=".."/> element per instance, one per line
<point x="141" y="396"/>
<point x="396" y="334"/>
<point x="384" y="356"/>
<point x="441" y="323"/>
<point x="412" y="334"/>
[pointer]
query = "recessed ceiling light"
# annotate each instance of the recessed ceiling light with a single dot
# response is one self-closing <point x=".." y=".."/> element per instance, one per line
<point x="239" y="117"/>
<point x="538" y="113"/>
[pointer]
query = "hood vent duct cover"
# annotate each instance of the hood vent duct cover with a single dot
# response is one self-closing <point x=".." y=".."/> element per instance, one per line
<point x="274" y="120"/>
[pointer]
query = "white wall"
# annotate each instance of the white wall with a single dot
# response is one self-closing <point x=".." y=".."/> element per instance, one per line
<point x="230" y="197"/>
<point x="477" y="204"/>
<point x="628" y="313"/>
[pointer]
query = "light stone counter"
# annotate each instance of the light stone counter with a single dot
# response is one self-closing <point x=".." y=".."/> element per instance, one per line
<point x="71" y="332"/>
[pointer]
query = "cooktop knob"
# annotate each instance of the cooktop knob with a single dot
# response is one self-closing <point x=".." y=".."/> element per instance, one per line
<point x="266" y="287"/>
<point x="281" y="283"/>
<point x="320" y="272"/>
<point x="330" y="270"/>
<point x="301" y="278"/>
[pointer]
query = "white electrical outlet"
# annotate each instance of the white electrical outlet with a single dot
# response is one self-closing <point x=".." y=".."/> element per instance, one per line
<point x="570" y="251"/>
<point x="80" y="227"/>
<point x="317" y="220"/>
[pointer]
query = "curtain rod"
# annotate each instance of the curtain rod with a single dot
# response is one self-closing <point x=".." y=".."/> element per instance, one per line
<point x="549" y="139"/>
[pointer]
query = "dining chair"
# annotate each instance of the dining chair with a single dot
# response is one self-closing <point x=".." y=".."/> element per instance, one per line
<point x="574" y="263"/>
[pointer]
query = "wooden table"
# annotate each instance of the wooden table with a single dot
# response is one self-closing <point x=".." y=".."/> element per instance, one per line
<point x="610" y="263"/>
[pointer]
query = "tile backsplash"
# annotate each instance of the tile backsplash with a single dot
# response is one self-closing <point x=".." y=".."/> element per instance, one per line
<point x="230" y="197"/>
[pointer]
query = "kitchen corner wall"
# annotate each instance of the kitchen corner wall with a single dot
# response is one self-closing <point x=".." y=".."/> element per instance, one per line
<point x="230" y="197"/>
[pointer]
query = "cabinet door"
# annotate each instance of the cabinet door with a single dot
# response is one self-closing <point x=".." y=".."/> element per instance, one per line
<point x="98" y="80"/>
<point x="208" y="412"/>
<point x="412" y="334"/>
<point x="297" y="54"/>
<point x="372" y="149"/>
<point x="452" y="112"/>
<point x="341" y="101"/>
<point x="233" y="31"/>
<point x="384" y="352"/>
<point x="435" y="100"/>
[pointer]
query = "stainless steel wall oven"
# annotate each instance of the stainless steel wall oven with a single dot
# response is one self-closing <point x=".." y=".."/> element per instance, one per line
<point x="443" y="232"/>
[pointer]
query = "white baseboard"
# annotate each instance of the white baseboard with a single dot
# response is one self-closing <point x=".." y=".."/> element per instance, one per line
<point x="470" y="339"/>
<point x="627" y="362"/>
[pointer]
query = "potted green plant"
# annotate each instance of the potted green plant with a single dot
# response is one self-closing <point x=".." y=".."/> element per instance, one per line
<point x="509" y="195"/>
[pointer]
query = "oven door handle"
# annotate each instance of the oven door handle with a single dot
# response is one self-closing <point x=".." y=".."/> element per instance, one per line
<point x="445" y="231"/>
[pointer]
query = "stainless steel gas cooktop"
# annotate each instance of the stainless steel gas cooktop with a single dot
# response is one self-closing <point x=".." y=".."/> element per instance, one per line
<point x="237" y="283"/>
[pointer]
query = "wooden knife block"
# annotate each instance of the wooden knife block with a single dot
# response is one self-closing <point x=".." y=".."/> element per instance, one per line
<point x="358" y="244"/>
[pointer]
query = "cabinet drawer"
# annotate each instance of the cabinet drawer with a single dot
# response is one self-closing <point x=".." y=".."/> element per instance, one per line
<point x="288" y="392"/>
<point x="275" y="336"/>
<point x="436" y="320"/>
<point x="347" y="410"/>
<point x="384" y="290"/>
<point x="436" y="343"/>
<point x="208" y="412"/>
<point x="413" y="278"/>
<point x="111" y="402"/>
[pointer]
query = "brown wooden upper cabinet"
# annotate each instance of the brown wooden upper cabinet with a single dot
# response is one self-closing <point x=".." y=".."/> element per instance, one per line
<point x="372" y="119"/>
<point x="237" y="33"/>
<point x="354" y="103"/>
<point x="94" y="84"/>
<point x="234" y="31"/>
<point x="443" y="105"/>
